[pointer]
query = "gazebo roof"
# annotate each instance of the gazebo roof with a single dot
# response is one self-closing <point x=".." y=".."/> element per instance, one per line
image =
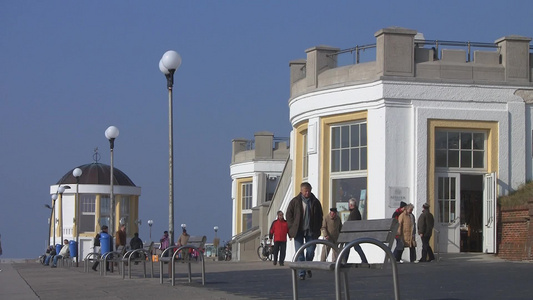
<point x="97" y="173"/>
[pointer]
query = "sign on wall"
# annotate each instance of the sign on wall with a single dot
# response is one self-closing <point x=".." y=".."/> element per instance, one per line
<point x="398" y="194"/>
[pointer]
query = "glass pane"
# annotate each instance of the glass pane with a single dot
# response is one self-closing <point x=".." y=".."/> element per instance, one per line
<point x="363" y="134"/>
<point x="440" y="188"/>
<point x="453" y="159"/>
<point x="355" y="136"/>
<point x="335" y="161"/>
<point x="479" y="141"/>
<point x="466" y="159"/>
<point x="87" y="223"/>
<point x="441" y="211"/>
<point x="354" y="159"/>
<point x="479" y="159"/>
<point x="446" y="188"/>
<point x="345" y="160"/>
<point x="446" y="212"/>
<point x="452" y="210"/>
<point x="466" y="140"/>
<point x="440" y="158"/>
<point x="335" y="138"/>
<point x="453" y="140"/>
<point x="347" y="188"/>
<point x="452" y="188"/>
<point x="441" y="140"/>
<point x="363" y="158"/>
<point x="345" y="136"/>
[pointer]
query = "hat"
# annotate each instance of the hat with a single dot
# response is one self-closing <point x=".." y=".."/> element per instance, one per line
<point x="403" y="204"/>
<point x="104" y="227"/>
<point x="425" y="205"/>
<point x="333" y="209"/>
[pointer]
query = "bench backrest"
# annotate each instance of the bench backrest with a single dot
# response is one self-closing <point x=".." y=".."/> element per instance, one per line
<point x="197" y="241"/>
<point x="383" y="230"/>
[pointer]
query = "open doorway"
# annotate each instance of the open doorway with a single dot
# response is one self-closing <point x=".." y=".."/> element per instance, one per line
<point x="471" y="214"/>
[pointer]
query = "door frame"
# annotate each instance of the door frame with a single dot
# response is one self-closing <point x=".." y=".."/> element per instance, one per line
<point x="453" y="226"/>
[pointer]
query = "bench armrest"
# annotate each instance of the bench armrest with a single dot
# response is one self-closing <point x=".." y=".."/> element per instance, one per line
<point x="314" y="242"/>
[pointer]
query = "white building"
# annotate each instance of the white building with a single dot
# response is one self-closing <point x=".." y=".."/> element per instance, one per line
<point x="421" y="123"/>
<point x="84" y="218"/>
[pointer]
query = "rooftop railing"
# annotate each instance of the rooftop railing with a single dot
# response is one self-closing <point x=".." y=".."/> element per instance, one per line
<point x="470" y="47"/>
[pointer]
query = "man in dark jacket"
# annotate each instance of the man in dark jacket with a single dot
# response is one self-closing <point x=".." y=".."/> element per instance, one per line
<point x="425" y="230"/>
<point x="304" y="218"/>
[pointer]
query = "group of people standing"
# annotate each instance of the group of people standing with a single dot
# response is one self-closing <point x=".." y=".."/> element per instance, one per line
<point x="305" y="222"/>
<point x="407" y="231"/>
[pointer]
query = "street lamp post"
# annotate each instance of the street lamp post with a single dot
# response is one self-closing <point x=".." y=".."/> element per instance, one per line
<point x="49" y="224"/>
<point x="215" y="242"/>
<point x="168" y="64"/>
<point x="60" y="191"/>
<point x="150" y="223"/>
<point x="111" y="133"/>
<point x="77" y="173"/>
<point x="53" y="221"/>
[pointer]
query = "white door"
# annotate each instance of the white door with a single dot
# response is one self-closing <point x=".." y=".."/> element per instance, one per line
<point x="447" y="211"/>
<point x="489" y="213"/>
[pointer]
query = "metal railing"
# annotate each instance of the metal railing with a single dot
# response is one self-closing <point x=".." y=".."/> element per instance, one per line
<point x="356" y="51"/>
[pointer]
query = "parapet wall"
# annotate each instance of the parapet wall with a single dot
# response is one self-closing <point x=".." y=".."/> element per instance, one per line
<point x="399" y="55"/>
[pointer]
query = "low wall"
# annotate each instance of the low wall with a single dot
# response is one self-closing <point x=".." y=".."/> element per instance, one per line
<point x="515" y="232"/>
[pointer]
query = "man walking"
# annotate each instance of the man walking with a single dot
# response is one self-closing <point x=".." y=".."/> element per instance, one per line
<point x="278" y="231"/>
<point x="425" y="230"/>
<point x="304" y="218"/>
<point x="355" y="215"/>
<point x="331" y="228"/>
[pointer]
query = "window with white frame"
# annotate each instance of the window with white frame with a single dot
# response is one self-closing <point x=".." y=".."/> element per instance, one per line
<point x="460" y="149"/>
<point x="348" y="166"/>
<point x="88" y="212"/>
<point x="246" y="200"/>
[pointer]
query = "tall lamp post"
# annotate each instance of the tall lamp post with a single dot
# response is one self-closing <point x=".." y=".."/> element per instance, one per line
<point x="111" y="133"/>
<point x="168" y="64"/>
<point x="53" y="221"/>
<point x="60" y="191"/>
<point x="215" y="242"/>
<point x="77" y="173"/>
<point x="150" y="223"/>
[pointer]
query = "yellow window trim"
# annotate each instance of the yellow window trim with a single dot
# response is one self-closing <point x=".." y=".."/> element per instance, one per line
<point x="300" y="130"/>
<point x="238" y="202"/>
<point x="325" y="135"/>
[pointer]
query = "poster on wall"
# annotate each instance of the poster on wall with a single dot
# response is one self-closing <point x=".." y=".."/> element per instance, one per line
<point x="343" y="206"/>
<point x="398" y="194"/>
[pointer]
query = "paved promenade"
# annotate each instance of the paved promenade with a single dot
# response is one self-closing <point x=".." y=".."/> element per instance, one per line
<point x="457" y="276"/>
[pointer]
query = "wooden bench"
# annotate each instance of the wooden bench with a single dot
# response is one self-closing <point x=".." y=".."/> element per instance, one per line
<point x="377" y="232"/>
<point x="196" y="243"/>
<point x="136" y="256"/>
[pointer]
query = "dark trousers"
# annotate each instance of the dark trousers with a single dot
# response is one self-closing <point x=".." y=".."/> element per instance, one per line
<point x="412" y="254"/>
<point x="426" y="250"/>
<point x="398" y="251"/>
<point x="281" y="248"/>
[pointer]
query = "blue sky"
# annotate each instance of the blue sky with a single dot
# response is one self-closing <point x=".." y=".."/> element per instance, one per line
<point x="70" y="69"/>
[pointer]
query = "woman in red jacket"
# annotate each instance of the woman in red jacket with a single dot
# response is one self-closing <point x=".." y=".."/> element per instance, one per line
<point x="279" y="230"/>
